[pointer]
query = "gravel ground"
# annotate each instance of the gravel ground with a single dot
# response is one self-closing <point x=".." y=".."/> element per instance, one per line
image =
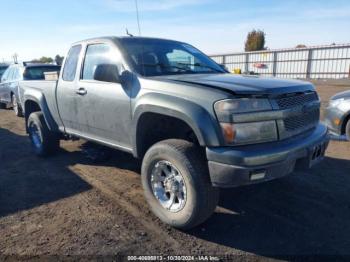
<point x="69" y="205"/>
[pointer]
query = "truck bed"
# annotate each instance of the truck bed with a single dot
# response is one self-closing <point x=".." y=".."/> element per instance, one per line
<point x="36" y="89"/>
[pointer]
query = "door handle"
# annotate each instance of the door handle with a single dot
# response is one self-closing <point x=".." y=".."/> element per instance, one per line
<point x="81" y="91"/>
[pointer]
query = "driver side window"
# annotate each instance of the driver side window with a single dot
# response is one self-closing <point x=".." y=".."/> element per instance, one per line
<point x="100" y="64"/>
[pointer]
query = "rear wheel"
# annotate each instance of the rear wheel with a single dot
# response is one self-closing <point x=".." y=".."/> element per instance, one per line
<point x="177" y="185"/>
<point x="16" y="107"/>
<point x="2" y="106"/>
<point x="44" y="142"/>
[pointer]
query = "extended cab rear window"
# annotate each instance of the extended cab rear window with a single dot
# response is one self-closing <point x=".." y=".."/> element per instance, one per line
<point x="37" y="72"/>
<point x="70" y="66"/>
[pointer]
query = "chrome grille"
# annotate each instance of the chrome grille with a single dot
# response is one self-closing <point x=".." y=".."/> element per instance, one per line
<point x="296" y="100"/>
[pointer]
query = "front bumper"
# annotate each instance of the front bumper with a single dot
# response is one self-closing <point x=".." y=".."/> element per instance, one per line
<point x="242" y="165"/>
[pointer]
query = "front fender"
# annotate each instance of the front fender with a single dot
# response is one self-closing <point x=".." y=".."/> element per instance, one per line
<point x="202" y="122"/>
<point x="38" y="97"/>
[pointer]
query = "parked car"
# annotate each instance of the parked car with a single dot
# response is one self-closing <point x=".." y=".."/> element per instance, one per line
<point x="337" y="115"/>
<point x="195" y="127"/>
<point x="3" y="68"/>
<point x="12" y="79"/>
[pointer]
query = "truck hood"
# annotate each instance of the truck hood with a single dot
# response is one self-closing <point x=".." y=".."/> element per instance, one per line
<point x="240" y="84"/>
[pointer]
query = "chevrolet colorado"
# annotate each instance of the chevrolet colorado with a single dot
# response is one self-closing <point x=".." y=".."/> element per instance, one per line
<point x="196" y="127"/>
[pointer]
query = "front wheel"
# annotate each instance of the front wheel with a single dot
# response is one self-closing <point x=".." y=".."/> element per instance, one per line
<point x="177" y="185"/>
<point x="44" y="141"/>
<point x="16" y="107"/>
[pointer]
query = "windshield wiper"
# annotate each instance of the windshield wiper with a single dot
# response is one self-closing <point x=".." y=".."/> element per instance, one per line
<point x="200" y="65"/>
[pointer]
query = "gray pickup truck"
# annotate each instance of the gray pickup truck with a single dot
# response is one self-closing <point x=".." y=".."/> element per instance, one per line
<point x="196" y="127"/>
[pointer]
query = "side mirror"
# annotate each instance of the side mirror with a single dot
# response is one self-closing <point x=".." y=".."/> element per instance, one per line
<point x="107" y="73"/>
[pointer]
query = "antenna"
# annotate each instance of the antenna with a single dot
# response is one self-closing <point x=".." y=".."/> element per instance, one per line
<point x="127" y="32"/>
<point x="139" y="27"/>
<point x="137" y="16"/>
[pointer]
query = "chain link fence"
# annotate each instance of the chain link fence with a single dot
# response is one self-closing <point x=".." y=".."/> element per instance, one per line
<point x="318" y="62"/>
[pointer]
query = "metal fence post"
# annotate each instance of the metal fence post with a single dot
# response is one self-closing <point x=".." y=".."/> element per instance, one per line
<point x="309" y="61"/>
<point x="274" y="65"/>
<point x="224" y="60"/>
<point x="246" y="67"/>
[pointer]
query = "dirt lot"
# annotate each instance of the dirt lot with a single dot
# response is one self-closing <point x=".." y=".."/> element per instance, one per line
<point x="70" y="205"/>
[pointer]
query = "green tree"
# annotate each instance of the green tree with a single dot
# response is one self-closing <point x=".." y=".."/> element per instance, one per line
<point x="43" y="59"/>
<point x="59" y="59"/>
<point x="255" y="41"/>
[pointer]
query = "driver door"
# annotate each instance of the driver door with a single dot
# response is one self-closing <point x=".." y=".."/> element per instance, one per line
<point x="104" y="103"/>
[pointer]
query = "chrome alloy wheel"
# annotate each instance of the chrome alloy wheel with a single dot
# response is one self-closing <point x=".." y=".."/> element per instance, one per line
<point x="168" y="186"/>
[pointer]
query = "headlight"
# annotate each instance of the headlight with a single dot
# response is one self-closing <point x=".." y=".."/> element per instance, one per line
<point x="242" y="105"/>
<point x="249" y="133"/>
<point x="245" y="133"/>
<point x="336" y="102"/>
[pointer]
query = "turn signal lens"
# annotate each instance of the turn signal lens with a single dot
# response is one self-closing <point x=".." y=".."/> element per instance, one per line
<point x="229" y="132"/>
<point x="336" y="121"/>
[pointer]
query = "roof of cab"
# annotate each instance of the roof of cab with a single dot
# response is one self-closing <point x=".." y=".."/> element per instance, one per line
<point x="118" y="38"/>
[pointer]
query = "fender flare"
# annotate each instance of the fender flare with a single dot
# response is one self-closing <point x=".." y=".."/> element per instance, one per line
<point x="204" y="125"/>
<point x="38" y="98"/>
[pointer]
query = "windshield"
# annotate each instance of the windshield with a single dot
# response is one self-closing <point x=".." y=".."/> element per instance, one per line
<point x="155" y="57"/>
<point x="37" y="72"/>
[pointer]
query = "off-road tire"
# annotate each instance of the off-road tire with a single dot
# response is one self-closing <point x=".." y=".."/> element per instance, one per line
<point x="44" y="142"/>
<point x="16" y="107"/>
<point x="202" y="197"/>
<point x="2" y="106"/>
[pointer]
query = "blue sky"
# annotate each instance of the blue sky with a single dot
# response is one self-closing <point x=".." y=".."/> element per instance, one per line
<point x="38" y="28"/>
